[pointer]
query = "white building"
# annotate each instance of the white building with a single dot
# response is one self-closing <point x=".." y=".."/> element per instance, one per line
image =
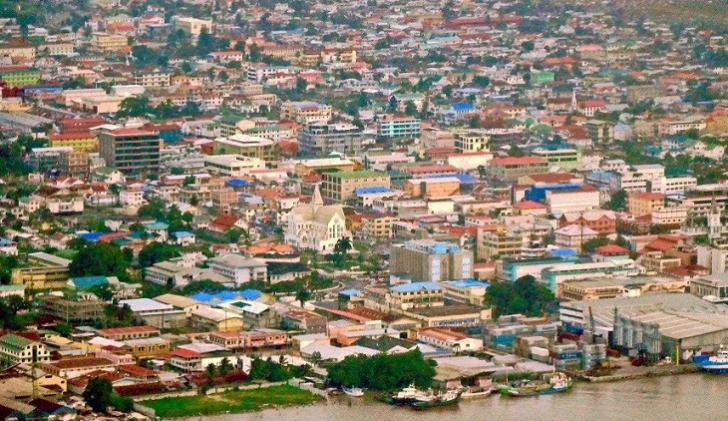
<point x="580" y="199"/>
<point x="315" y="226"/>
<point x="233" y="165"/>
<point x="239" y="268"/>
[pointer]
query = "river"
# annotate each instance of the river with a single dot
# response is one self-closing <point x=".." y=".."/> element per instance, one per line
<point x="694" y="397"/>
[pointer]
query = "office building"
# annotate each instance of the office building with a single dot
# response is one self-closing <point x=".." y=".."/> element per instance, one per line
<point x="390" y="125"/>
<point x="470" y="141"/>
<point x="322" y="138"/>
<point x="130" y="151"/>
<point x="431" y="261"/>
<point x="251" y="146"/>
<point x="341" y="186"/>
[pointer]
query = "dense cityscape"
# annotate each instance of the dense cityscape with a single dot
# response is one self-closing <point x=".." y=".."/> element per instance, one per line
<point x="214" y="207"/>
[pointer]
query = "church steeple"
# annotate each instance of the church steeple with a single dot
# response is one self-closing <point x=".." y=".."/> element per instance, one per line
<point x="317" y="201"/>
<point x="574" y="102"/>
<point x="714" y="225"/>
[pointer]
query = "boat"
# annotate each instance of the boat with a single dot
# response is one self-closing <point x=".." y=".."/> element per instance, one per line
<point x="334" y="391"/>
<point x="353" y="392"/>
<point x="407" y="395"/>
<point x="475" y="392"/>
<point x="559" y="382"/>
<point x="451" y="397"/>
<point x="717" y="363"/>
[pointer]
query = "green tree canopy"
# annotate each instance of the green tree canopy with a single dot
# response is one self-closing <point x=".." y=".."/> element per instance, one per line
<point x="524" y="296"/>
<point x="98" y="394"/>
<point x="156" y="252"/>
<point x="383" y="372"/>
<point x="99" y="259"/>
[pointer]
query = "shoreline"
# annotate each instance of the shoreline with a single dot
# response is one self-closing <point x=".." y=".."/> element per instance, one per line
<point x="659" y="371"/>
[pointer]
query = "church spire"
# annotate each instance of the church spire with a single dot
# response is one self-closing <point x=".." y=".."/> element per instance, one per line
<point x="574" y="102"/>
<point x="317" y="201"/>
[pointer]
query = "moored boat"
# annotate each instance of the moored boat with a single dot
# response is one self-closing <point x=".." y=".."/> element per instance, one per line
<point x="559" y="382"/>
<point x="717" y="363"/>
<point x="406" y="396"/>
<point x="475" y="392"/>
<point x="451" y="397"/>
<point x="354" y="392"/>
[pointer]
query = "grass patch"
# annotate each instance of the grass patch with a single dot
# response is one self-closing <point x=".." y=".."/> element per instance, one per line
<point x="241" y="401"/>
<point x="66" y="254"/>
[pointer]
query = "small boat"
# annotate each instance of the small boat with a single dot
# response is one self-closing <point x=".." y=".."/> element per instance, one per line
<point x="353" y="392"/>
<point x="451" y="397"/>
<point x="476" y="392"/>
<point x="559" y="382"/>
<point x="717" y="363"/>
<point x="407" y="395"/>
<point x="332" y="391"/>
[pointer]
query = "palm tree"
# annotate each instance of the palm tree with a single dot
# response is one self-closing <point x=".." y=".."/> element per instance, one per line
<point x="343" y="245"/>
<point x="225" y="367"/>
<point x="210" y="372"/>
<point x="303" y="295"/>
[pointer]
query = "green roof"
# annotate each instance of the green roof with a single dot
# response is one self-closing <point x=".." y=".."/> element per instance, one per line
<point x="356" y="174"/>
<point x="15" y="341"/>
<point x="86" y="282"/>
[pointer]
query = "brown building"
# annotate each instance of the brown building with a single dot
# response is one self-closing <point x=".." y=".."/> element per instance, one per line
<point x="603" y="222"/>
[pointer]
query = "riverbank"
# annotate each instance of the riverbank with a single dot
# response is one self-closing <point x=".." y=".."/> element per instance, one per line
<point x="632" y="373"/>
<point x="248" y="400"/>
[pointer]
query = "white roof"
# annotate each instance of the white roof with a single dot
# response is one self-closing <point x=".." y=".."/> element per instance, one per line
<point x="145" y="304"/>
<point x="215" y="314"/>
<point x="329" y="352"/>
<point x="202" y="348"/>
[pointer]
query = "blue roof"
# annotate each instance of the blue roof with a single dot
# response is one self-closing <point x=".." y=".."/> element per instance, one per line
<point x="86" y="282"/>
<point x="351" y="292"/>
<point x="370" y="190"/>
<point x="562" y="252"/>
<point x="91" y="237"/>
<point x="463" y="178"/>
<point x="223" y="296"/>
<point x="179" y="234"/>
<point x="416" y="286"/>
<point x="236" y="183"/>
<point x="469" y="90"/>
<point x="468" y="283"/>
<point x="462" y="106"/>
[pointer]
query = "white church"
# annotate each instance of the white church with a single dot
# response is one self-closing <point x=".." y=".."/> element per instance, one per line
<point x="315" y="226"/>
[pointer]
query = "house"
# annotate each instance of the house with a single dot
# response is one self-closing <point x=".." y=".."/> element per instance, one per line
<point x="16" y="349"/>
<point x="448" y="339"/>
<point x="239" y="268"/>
<point x="222" y="223"/>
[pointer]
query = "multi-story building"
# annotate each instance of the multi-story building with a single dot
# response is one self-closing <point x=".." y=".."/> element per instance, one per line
<point x="256" y="339"/>
<point x="306" y="112"/>
<point x="340" y="186"/>
<point x="378" y="226"/>
<point x="19" y="76"/>
<point x="58" y="49"/>
<point x="306" y="167"/>
<point x="275" y="132"/>
<point x="492" y="245"/>
<point x="233" y="165"/>
<point x="105" y="42"/>
<point x="251" y="146"/>
<point x="390" y="125"/>
<point x="322" y="139"/>
<point x="433" y="187"/>
<point x="471" y="141"/>
<point x="511" y="168"/>
<point x="600" y="131"/>
<point x="239" y="268"/>
<point x="193" y="26"/>
<point x="603" y="222"/>
<point x="18" y="50"/>
<point x="74" y="164"/>
<point x="431" y="261"/>
<point x="152" y="79"/>
<point x="568" y="159"/>
<point x="126" y="333"/>
<point x="640" y="204"/>
<point x="131" y="151"/>
<point x="76" y="311"/>
<point x="78" y="141"/>
<point x="16" y="349"/>
<point x="582" y="198"/>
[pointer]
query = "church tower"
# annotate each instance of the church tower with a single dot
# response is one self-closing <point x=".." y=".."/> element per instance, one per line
<point x="714" y="225"/>
<point x="317" y="201"/>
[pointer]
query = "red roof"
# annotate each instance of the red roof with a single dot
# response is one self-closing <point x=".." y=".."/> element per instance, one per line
<point x="136" y="370"/>
<point x="528" y="204"/>
<point x="185" y="353"/>
<point x="612" y="250"/>
<point x="127" y="330"/>
<point x="647" y="196"/>
<point x="551" y="178"/>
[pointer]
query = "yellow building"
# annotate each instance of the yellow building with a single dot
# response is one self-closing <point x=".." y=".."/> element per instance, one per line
<point x="105" y="42"/>
<point x="340" y="186"/>
<point x="40" y="277"/>
<point x="214" y="320"/>
<point x="78" y="141"/>
<point x="19" y="51"/>
<point x="147" y="347"/>
<point x="640" y="204"/>
<point x="306" y="112"/>
<point x="251" y="146"/>
<point x="433" y="187"/>
<point x="466" y="141"/>
<point x="307" y="167"/>
<point x="19" y="76"/>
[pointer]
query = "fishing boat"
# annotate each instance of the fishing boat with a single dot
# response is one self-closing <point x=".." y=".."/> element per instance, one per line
<point x="451" y="397"/>
<point x="406" y="396"/>
<point x="354" y="392"/>
<point x="717" y="363"/>
<point x="476" y="392"/>
<point x="559" y="382"/>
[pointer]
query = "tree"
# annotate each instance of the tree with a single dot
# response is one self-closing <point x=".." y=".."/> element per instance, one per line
<point x="99" y="259"/>
<point x="410" y="109"/>
<point x="225" y="367"/>
<point x="343" y="245"/>
<point x="618" y="201"/>
<point x="481" y="81"/>
<point x="134" y="106"/>
<point x="210" y="372"/>
<point x="98" y="394"/>
<point x="254" y="54"/>
<point x="383" y="372"/>
<point x="524" y="296"/>
<point x="303" y="295"/>
<point x="155" y="252"/>
<point x="591" y="245"/>
<point x="301" y="84"/>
